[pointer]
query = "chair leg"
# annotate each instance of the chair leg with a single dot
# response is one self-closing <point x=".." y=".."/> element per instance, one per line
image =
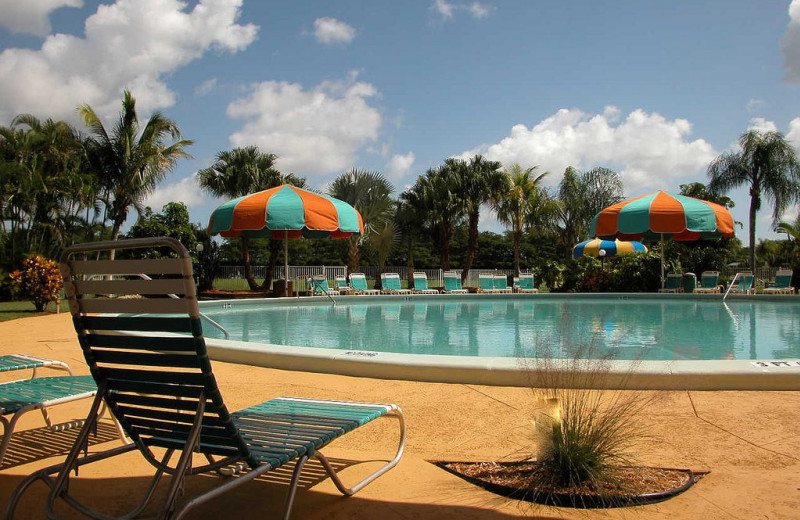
<point x="287" y="508"/>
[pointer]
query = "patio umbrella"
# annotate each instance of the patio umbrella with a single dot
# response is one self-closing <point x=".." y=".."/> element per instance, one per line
<point x="603" y="249"/>
<point x="661" y="215"/>
<point x="286" y="212"/>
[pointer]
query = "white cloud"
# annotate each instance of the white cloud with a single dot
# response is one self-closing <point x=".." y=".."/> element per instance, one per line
<point x="185" y="190"/>
<point x="312" y="131"/>
<point x="479" y="10"/>
<point x="443" y="8"/>
<point x="754" y="105"/>
<point x="790" y="44"/>
<point x="793" y="136"/>
<point x="762" y="125"/>
<point x="129" y="44"/>
<point x="399" y="165"/>
<point x="649" y="151"/>
<point x="31" y="16"/>
<point x="331" y="30"/>
<point x="205" y="87"/>
<point x="448" y="9"/>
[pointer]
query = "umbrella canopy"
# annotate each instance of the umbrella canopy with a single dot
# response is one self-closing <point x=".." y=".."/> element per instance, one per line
<point x="286" y="212"/>
<point x="593" y="247"/>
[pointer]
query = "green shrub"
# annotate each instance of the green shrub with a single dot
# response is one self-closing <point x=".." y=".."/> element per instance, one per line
<point x="38" y="281"/>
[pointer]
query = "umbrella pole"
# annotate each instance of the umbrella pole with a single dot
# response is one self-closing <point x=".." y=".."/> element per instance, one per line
<point x="662" y="261"/>
<point x="286" y="262"/>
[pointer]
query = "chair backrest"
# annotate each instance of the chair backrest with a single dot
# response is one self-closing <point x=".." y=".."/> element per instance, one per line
<point x="358" y="281"/>
<point x="320" y="283"/>
<point x="526" y="281"/>
<point x="709" y="279"/>
<point x="500" y="281"/>
<point x="674" y="281"/>
<point x="486" y="281"/>
<point x="452" y="282"/>
<point x="744" y="282"/>
<point x="420" y="281"/>
<point x="390" y="281"/>
<point x="783" y="279"/>
<point x="157" y="379"/>
<point x="341" y="282"/>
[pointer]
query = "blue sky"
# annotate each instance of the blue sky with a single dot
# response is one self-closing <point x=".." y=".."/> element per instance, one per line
<point x="654" y="90"/>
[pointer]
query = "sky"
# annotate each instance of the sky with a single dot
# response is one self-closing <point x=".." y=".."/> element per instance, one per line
<point x="654" y="90"/>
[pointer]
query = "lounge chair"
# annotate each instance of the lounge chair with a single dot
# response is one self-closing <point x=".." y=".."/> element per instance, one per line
<point x="158" y="381"/>
<point x="709" y="283"/>
<point x="485" y="283"/>
<point x="421" y="284"/>
<point x="501" y="284"/>
<point x="452" y="283"/>
<point x="341" y="284"/>
<point x="744" y="284"/>
<point x="390" y="284"/>
<point x="37" y="393"/>
<point x="783" y="283"/>
<point x="526" y="284"/>
<point x="319" y="286"/>
<point x="674" y="283"/>
<point x="359" y="284"/>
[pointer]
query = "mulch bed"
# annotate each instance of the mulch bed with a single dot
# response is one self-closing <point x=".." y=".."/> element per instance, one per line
<point x="531" y="481"/>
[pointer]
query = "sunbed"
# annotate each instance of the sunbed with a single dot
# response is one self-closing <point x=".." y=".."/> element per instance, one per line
<point x="341" y="284"/>
<point x="501" y="284"/>
<point x="318" y="285"/>
<point x="452" y="283"/>
<point x="783" y="283"/>
<point x="359" y="284"/>
<point x="526" y="284"/>
<point x="485" y="283"/>
<point x="743" y="284"/>
<point x="709" y="283"/>
<point x="157" y="379"/>
<point x="390" y="284"/>
<point x="674" y="283"/>
<point x="421" y="284"/>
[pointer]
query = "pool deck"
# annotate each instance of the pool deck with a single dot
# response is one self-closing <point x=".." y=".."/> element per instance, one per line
<point x="748" y="440"/>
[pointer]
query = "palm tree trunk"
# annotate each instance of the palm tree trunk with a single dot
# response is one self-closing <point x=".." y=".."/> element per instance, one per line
<point x="274" y="253"/>
<point x="473" y="245"/>
<point x="446" y="247"/>
<point x="248" y="272"/>
<point x="517" y="239"/>
<point x="353" y="255"/>
<point x="754" y="203"/>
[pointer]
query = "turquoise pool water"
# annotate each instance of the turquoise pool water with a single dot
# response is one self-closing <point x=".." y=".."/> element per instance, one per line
<point x="635" y="328"/>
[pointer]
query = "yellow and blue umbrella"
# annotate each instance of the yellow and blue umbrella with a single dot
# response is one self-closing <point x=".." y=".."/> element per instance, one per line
<point x="610" y="248"/>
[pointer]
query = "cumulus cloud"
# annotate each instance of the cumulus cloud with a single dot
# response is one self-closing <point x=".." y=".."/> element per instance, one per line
<point x="185" y="190"/>
<point x="762" y="125"/>
<point x="790" y="44"/>
<point x="399" y="165"/>
<point x="793" y="136"/>
<point x="313" y="131"/>
<point x="205" y="87"/>
<point x="446" y="10"/>
<point x="331" y="30"/>
<point x="31" y="16"/>
<point x="649" y="151"/>
<point x="128" y="44"/>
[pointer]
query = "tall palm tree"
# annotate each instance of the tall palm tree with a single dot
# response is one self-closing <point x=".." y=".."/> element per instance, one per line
<point x="131" y="159"/>
<point x="370" y="193"/>
<point x="767" y="164"/>
<point x="241" y="171"/>
<point x="524" y="203"/>
<point x="411" y="217"/>
<point x="438" y="192"/>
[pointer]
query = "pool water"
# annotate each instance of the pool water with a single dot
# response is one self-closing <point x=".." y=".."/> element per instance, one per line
<point x="635" y="328"/>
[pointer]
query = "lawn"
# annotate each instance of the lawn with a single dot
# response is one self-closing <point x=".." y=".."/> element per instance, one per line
<point x="25" y="309"/>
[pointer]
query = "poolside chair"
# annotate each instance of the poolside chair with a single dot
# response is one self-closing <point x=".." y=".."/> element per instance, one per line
<point x="743" y="284"/>
<point x="341" y="284"/>
<point x="486" y="283"/>
<point x="501" y="284"/>
<point x="38" y="393"/>
<point x="783" y="283"/>
<point x="421" y="284"/>
<point x="390" y="284"/>
<point x="154" y="373"/>
<point x="709" y="283"/>
<point x="452" y="283"/>
<point x="318" y="285"/>
<point x="674" y="283"/>
<point x="526" y="284"/>
<point x="359" y="284"/>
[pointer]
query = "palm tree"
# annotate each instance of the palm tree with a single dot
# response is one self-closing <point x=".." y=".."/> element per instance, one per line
<point x="792" y="238"/>
<point x="767" y="164"/>
<point x="131" y="159"/>
<point x="239" y="172"/>
<point x="411" y="218"/>
<point x="370" y="193"/>
<point x="438" y="191"/>
<point x="524" y="203"/>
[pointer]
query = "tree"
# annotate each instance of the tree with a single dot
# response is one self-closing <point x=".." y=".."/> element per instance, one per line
<point x="132" y="159"/>
<point x="523" y="203"/>
<point x="583" y="195"/>
<point x="437" y="192"/>
<point x="370" y="193"/>
<point x="767" y="164"/>
<point x="237" y="173"/>
<point x="698" y="190"/>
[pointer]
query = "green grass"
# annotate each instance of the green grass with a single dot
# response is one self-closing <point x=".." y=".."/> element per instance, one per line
<point x="25" y="309"/>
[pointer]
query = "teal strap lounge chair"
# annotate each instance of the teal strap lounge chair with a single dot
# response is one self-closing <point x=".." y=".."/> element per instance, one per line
<point x="13" y="362"/>
<point x="501" y="284"/>
<point x="359" y="284"/>
<point x="341" y="285"/>
<point x="486" y="283"/>
<point x="743" y="284"/>
<point x="318" y="285"/>
<point x="783" y="283"/>
<point x="421" y="284"/>
<point x="154" y="373"/>
<point x="390" y="284"/>
<point x="452" y="283"/>
<point x="709" y="283"/>
<point x="526" y="284"/>
<point x="674" y="283"/>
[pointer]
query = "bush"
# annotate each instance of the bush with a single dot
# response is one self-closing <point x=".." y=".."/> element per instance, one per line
<point x="38" y="281"/>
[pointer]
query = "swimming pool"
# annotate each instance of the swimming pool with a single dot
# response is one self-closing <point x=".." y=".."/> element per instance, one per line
<point x="664" y="334"/>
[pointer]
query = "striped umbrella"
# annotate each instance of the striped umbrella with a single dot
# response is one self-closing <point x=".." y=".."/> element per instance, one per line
<point x="286" y="212"/>
<point x="611" y="248"/>
<point x="661" y="215"/>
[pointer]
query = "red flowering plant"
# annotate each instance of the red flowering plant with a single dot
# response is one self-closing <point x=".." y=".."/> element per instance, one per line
<point x="39" y="281"/>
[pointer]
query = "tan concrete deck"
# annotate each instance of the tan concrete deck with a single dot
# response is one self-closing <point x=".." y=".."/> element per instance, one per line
<point x="750" y="441"/>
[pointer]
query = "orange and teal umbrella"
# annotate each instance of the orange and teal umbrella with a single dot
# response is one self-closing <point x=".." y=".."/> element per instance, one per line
<point x="661" y="215"/>
<point x="286" y="212"/>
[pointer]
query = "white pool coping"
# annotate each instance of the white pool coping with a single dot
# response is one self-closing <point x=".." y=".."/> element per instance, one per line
<point x="765" y="374"/>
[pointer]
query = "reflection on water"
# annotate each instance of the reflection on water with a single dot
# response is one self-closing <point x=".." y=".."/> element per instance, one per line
<point x="629" y="329"/>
